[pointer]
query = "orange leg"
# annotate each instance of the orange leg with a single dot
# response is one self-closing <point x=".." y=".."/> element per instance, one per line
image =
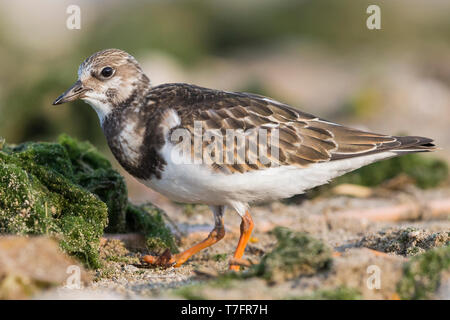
<point x="217" y="234"/>
<point x="166" y="259"/>
<point x="246" y="231"/>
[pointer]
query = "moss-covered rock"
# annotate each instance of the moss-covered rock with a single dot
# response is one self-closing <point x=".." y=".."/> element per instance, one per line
<point x="69" y="190"/>
<point x="83" y="155"/>
<point x="37" y="196"/>
<point x="422" y="274"/>
<point x="295" y="254"/>
<point x="94" y="172"/>
<point x="50" y="155"/>
<point x="405" y="241"/>
<point x="149" y="220"/>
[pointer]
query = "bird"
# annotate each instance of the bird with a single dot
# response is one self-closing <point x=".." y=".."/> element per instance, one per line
<point x="160" y="135"/>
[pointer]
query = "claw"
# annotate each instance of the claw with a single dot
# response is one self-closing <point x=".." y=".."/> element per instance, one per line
<point x="165" y="260"/>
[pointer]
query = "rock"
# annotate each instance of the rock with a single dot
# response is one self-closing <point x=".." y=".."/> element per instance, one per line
<point x="31" y="264"/>
<point x="374" y="276"/>
<point x="406" y="241"/>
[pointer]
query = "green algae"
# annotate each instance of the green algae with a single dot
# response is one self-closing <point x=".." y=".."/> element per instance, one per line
<point x="69" y="190"/>
<point x="149" y="220"/>
<point x="94" y="172"/>
<point x="110" y="187"/>
<point x="83" y="155"/>
<point x="295" y="254"/>
<point x="422" y="274"/>
<point x="35" y="199"/>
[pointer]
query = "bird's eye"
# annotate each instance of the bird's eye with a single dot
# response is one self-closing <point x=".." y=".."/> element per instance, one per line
<point x="107" y="72"/>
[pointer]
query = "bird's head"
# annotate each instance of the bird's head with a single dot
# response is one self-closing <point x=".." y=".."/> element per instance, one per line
<point x="105" y="80"/>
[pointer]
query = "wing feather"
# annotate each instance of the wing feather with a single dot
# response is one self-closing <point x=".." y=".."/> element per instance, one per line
<point x="303" y="138"/>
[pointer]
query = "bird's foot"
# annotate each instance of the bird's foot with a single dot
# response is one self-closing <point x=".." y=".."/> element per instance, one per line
<point x="165" y="260"/>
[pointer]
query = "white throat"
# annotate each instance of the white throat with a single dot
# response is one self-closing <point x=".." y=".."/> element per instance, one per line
<point x="102" y="108"/>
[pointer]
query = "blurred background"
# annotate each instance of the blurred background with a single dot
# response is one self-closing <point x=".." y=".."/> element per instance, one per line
<point x="317" y="55"/>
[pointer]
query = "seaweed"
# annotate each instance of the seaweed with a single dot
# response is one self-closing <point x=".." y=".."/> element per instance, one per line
<point x="70" y="191"/>
<point x="296" y="254"/>
<point x="422" y="274"/>
<point x="94" y="172"/>
<point x="36" y="199"/>
<point x="149" y="220"/>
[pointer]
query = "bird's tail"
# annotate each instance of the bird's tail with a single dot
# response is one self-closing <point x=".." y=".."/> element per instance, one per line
<point x="410" y="144"/>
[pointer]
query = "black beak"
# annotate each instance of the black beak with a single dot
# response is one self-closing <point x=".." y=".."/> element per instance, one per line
<point x="73" y="93"/>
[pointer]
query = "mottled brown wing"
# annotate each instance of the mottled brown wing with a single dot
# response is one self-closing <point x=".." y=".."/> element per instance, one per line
<point x="303" y="139"/>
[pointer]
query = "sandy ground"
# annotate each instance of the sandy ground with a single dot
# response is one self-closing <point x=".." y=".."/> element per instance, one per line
<point x="319" y="217"/>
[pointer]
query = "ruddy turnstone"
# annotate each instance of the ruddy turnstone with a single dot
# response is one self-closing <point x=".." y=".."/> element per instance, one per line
<point x="147" y="128"/>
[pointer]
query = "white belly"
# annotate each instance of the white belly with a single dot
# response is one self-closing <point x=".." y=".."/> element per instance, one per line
<point x="196" y="183"/>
